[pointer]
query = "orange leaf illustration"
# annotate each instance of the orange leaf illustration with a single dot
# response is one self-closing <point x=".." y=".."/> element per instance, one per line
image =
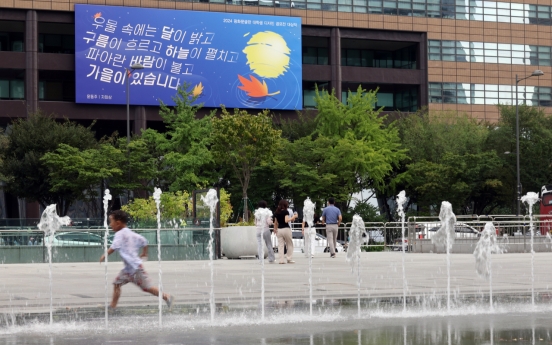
<point x="254" y="88"/>
<point x="197" y="90"/>
<point x="98" y="15"/>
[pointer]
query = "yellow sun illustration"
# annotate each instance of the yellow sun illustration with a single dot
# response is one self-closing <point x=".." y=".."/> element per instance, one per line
<point x="267" y="54"/>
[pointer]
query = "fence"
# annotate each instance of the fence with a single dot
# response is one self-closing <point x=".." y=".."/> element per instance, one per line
<point x="21" y="242"/>
<point x="72" y="244"/>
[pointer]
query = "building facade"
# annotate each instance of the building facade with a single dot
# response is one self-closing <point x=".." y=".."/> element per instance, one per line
<point x="460" y="55"/>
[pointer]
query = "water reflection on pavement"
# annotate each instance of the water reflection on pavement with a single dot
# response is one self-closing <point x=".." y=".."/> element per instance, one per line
<point x="472" y="329"/>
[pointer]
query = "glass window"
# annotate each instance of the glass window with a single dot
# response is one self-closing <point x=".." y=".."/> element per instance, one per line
<point x="323" y="56"/>
<point x="310" y="56"/>
<point x="17" y="89"/>
<point x="309" y="98"/>
<point x="488" y="94"/>
<point x="405" y="5"/>
<point x="385" y="100"/>
<point x="314" y="6"/>
<point x="4" y="89"/>
<point x="12" y="35"/>
<point x="353" y="57"/>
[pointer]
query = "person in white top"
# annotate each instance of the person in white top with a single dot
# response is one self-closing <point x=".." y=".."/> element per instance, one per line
<point x="263" y="221"/>
<point x="128" y="243"/>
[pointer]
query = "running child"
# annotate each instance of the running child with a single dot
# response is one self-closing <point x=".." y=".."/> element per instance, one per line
<point x="128" y="243"/>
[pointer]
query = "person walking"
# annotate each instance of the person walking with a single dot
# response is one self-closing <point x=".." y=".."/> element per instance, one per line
<point x="283" y="231"/>
<point x="128" y="243"/>
<point x="332" y="217"/>
<point x="263" y="221"/>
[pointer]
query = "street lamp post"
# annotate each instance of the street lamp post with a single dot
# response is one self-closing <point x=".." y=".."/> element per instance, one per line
<point x="129" y="75"/>
<point x="536" y="73"/>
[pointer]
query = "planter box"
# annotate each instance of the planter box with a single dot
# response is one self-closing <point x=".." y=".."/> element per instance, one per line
<point x="238" y="241"/>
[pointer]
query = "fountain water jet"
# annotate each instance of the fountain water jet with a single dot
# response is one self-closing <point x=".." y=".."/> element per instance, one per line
<point x="487" y="245"/>
<point x="261" y="216"/>
<point x="310" y="233"/>
<point x="50" y="222"/>
<point x="106" y="198"/>
<point x="157" y="197"/>
<point x="401" y="200"/>
<point x="531" y="198"/>
<point x="353" y="251"/>
<point x="211" y="200"/>
<point x="445" y="236"/>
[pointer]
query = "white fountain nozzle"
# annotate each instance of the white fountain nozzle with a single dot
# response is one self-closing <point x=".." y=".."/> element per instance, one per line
<point x="157" y="194"/>
<point x="308" y="212"/>
<point x="530" y="198"/>
<point x="446" y="233"/>
<point x="107" y="195"/>
<point x="401" y="201"/>
<point x="210" y="199"/>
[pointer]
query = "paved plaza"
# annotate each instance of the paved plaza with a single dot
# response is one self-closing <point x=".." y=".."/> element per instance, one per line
<point x="25" y="287"/>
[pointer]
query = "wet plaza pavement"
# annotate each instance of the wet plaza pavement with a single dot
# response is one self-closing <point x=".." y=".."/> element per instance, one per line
<point x="79" y="296"/>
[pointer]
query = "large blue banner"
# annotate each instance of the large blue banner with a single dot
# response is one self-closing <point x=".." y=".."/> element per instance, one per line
<point x="237" y="60"/>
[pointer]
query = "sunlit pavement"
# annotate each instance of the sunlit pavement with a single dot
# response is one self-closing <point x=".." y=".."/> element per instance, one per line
<point x="237" y="283"/>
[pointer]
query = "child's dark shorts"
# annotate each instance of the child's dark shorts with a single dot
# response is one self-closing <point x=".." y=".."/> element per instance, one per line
<point x="139" y="277"/>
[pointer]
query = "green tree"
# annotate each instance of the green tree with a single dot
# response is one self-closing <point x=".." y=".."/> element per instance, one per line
<point x="184" y="159"/>
<point x="107" y="165"/>
<point x="449" y="160"/>
<point x="79" y="172"/>
<point x="174" y="205"/>
<point x="140" y="168"/>
<point x="29" y="140"/>
<point x="243" y="141"/>
<point x="535" y="147"/>
<point x="351" y="149"/>
<point x="4" y="141"/>
<point x="367" y="211"/>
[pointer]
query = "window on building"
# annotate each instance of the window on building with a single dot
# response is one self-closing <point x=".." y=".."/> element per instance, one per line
<point x="12" y="84"/>
<point x="12" y="36"/>
<point x="315" y="50"/>
<point x="12" y="89"/>
<point x="488" y="52"/>
<point x="389" y="97"/>
<point x="54" y="38"/>
<point x="56" y="86"/>
<point x="309" y="92"/>
<point x="489" y="11"/>
<point x="491" y="94"/>
<point x="378" y="54"/>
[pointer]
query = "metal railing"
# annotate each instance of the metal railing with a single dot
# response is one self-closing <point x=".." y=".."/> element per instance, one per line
<point x="387" y="235"/>
<point x="71" y="244"/>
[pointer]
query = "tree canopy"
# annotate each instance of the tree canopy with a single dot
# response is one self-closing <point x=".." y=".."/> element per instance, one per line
<point x="350" y="149"/>
<point x="29" y="139"/>
<point x="184" y="158"/>
<point x="449" y="160"/>
<point x="243" y="141"/>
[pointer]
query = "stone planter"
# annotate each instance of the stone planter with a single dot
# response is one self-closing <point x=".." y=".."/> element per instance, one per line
<point x="238" y="241"/>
